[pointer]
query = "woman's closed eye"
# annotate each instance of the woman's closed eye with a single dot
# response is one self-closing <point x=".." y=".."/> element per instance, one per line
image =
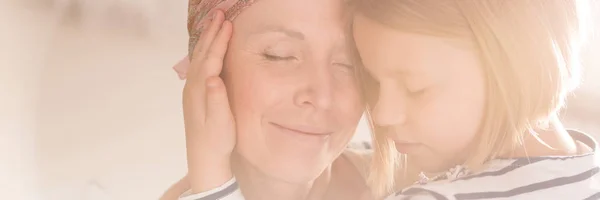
<point x="279" y="53"/>
<point x="275" y="57"/>
<point x="345" y="68"/>
<point x="344" y="61"/>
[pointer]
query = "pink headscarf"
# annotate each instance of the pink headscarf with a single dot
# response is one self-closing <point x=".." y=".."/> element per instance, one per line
<point x="198" y="10"/>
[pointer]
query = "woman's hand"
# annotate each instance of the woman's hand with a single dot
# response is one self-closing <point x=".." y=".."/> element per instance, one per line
<point x="209" y="123"/>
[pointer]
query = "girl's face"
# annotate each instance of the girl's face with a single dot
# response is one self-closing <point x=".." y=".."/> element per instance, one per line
<point x="427" y="94"/>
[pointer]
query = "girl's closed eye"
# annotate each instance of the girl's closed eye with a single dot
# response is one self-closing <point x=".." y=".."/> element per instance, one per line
<point x="415" y="86"/>
<point x="421" y="88"/>
<point x="416" y="92"/>
<point x="413" y="90"/>
<point x="346" y="65"/>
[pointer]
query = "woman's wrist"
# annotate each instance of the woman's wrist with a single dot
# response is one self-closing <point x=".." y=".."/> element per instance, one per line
<point x="208" y="174"/>
<point x="228" y="190"/>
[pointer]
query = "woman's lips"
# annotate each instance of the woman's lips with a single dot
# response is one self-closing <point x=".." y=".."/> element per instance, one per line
<point x="305" y="130"/>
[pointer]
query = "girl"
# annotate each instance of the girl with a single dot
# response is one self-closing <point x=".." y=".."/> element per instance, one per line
<point x="468" y="91"/>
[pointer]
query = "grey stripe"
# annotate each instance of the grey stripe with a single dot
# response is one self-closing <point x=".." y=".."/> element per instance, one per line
<point x="582" y="137"/>
<point x="515" y="165"/>
<point x="367" y="145"/>
<point x="411" y="192"/>
<point x="223" y="193"/>
<point x="593" y="197"/>
<point x="577" y="135"/>
<point x="521" y="162"/>
<point x="530" y="188"/>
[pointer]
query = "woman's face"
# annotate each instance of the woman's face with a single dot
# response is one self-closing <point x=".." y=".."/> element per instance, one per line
<point x="292" y="87"/>
<point x="428" y="94"/>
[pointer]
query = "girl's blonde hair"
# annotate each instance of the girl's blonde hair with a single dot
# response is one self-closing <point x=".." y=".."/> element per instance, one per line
<point x="529" y="53"/>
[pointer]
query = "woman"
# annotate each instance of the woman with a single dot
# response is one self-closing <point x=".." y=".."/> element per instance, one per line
<point x="469" y="92"/>
<point x="292" y="90"/>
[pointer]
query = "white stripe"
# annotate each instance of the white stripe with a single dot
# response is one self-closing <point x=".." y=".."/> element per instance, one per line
<point x="579" y="190"/>
<point x="526" y="175"/>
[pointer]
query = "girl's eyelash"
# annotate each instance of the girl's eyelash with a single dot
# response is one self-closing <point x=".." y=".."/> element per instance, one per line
<point x="417" y="92"/>
<point x="349" y="66"/>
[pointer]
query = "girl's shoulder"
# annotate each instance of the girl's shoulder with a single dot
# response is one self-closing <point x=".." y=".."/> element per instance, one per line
<point x="547" y="177"/>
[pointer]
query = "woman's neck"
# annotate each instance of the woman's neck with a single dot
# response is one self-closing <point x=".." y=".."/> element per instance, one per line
<point x="255" y="185"/>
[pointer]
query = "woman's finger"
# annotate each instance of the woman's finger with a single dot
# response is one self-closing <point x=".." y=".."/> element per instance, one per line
<point x="216" y="18"/>
<point x="224" y="5"/>
<point x="220" y="125"/>
<point x="216" y="53"/>
<point x="218" y="111"/>
<point x="204" y="42"/>
<point x="220" y="18"/>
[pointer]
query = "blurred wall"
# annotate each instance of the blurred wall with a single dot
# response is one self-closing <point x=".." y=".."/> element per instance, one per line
<point x="109" y="117"/>
<point x="21" y="33"/>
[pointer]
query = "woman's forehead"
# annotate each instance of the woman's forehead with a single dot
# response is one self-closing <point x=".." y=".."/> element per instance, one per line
<point x="305" y="9"/>
<point x="289" y="16"/>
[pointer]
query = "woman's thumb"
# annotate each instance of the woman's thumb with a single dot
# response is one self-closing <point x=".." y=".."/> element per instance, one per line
<point x="218" y="111"/>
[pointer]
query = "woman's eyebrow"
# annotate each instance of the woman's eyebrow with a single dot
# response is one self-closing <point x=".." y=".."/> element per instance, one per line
<point x="278" y="29"/>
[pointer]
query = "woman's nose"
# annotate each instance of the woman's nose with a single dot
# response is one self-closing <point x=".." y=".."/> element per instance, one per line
<point x="318" y="89"/>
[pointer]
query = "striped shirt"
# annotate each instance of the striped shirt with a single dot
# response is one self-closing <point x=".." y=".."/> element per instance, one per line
<point x="552" y="177"/>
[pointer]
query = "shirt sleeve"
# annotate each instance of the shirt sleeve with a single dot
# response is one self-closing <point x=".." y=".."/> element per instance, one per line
<point x="412" y="197"/>
<point x="228" y="191"/>
<point x="417" y="194"/>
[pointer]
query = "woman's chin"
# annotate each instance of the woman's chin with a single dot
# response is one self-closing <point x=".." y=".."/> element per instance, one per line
<point x="294" y="170"/>
<point x="298" y="174"/>
<point x="287" y="162"/>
